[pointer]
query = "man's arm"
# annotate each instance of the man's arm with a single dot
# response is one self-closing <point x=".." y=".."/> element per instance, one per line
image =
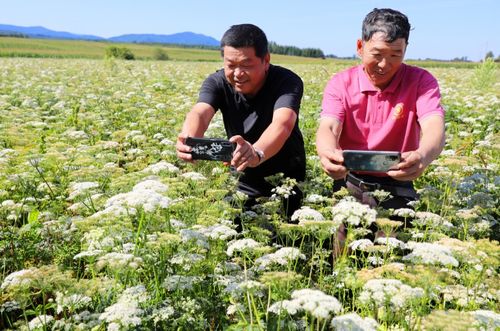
<point x="270" y="142"/>
<point x="328" y="149"/>
<point x="431" y="144"/>
<point x="195" y="125"/>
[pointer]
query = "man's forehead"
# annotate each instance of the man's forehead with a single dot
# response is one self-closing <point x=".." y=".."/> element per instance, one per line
<point x="380" y="41"/>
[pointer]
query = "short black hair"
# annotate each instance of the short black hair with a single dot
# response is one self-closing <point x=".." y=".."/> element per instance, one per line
<point x="392" y="23"/>
<point x="245" y="35"/>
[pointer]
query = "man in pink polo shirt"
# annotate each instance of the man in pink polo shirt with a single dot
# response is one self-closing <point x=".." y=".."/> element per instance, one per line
<point x="381" y="105"/>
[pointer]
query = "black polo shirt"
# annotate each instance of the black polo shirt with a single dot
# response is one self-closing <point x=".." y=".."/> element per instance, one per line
<point x="249" y="117"/>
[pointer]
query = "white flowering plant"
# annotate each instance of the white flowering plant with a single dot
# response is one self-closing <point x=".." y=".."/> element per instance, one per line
<point x="102" y="227"/>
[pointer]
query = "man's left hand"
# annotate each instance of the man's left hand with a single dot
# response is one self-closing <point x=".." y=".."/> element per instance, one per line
<point x="244" y="155"/>
<point x="412" y="165"/>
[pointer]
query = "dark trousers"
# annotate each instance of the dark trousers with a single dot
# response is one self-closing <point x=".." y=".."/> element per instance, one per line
<point x="259" y="187"/>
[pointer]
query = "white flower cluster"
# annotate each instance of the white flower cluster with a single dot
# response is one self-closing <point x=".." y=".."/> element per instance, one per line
<point x="13" y="208"/>
<point x="186" y="260"/>
<point x="219" y="232"/>
<point x="315" y="198"/>
<point x="119" y="261"/>
<point x="72" y="302"/>
<point x="463" y="296"/>
<point x="390" y="242"/>
<point x="180" y="282"/>
<point x="283" y="191"/>
<point x="6" y="154"/>
<point x="81" y="188"/>
<point x="306" y="213"/>
<point x="125" y="313"/>
<point x="19" y="278"/>
<point x="430" y="253"/>
<point x="404" y="212"/>
<point x="381" y="292"/>
<point x="353" y="322"/>
<point x="487" y="319"/>
<point x="161" y="166"/>
<point x="353" y="213"/>
<point x="195" y="176"/>
<point x="315" y="302"/>
<point x="40" y="322"/>
<point x="9" y="306"/>
<point x="109" y="144"/>
<point x="162" y="314"/>
<point x="430" y="220"/>
<point x="242" y="245"/>
<point x="360" y="244"/>
<point x="145" y="194"/>
<point x="282" y="256"/>
<point x="198" y="238"/>
<point x="76" y="135"/>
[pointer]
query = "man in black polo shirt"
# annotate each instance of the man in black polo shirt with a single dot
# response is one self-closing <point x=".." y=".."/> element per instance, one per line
<point x="260" y="106"/>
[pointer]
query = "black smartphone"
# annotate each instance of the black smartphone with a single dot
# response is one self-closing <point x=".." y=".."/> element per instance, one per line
<point x="374" y="161"/>
<point x="213" y="149"/>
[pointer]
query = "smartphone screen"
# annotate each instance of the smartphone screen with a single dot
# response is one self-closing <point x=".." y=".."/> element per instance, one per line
<point x="373" y="161"/>
<point x="213" y="149"/>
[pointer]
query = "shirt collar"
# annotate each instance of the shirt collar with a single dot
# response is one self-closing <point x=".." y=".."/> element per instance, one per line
<point x="366" y="86"/>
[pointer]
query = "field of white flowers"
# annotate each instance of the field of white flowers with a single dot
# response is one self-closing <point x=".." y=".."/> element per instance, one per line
<point x="103" y="228"/>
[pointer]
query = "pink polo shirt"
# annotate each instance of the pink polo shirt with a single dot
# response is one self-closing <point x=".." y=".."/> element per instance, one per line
<point x="381" y="120"/>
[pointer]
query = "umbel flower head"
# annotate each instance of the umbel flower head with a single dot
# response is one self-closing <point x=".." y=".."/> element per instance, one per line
<point x="306" y="213"/>
<point x="314" y="302"/>
<point x="430" y="253"/>
<point x="353" y="213"/>
<point x="380" y="292"/>
<point x="353" y="322"/>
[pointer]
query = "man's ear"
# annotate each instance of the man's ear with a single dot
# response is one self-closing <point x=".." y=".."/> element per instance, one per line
<point x="359" y="47"/>
<point x="267" y="60"/>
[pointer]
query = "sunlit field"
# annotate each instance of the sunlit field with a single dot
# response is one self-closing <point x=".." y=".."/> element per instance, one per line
<point x="103" y="228"/>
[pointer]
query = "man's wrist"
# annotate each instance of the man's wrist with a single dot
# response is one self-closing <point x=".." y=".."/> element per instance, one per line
<point x="260" y="154"/>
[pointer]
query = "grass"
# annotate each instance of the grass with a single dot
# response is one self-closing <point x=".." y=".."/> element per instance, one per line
<point x="52" y="48"/>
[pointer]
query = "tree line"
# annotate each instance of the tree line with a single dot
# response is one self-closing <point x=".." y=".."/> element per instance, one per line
<point x="295" y="51"/>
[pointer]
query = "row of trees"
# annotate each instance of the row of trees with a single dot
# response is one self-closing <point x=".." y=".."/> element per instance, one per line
<point x="296" y="51"/>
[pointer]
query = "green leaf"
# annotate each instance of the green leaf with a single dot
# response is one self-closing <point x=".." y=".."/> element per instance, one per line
<point x="33" y="216"/>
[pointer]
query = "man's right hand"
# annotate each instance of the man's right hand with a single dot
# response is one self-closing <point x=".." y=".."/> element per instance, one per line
<point x="331" y="162"/>
<point x="183" y="150"/>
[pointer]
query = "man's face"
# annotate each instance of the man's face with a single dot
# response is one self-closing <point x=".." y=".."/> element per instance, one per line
<point x="244" y="70"/>
<point x="381" y="59"/>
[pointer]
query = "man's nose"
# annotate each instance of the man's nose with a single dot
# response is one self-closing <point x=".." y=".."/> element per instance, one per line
<point x="383" y="63"/>
<point x="238" y="72"/>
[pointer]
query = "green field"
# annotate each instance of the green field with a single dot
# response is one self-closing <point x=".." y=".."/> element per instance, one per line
<point x="103" y="227"/>
<point x="51" y="48"/>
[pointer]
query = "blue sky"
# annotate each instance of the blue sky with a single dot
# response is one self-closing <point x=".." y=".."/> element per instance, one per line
<point x="442" y="29"/>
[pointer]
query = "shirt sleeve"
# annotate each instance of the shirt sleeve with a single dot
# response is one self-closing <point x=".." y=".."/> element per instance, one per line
<point x="290" y="93"/>
<point x="429" y="97"/>
<point x="332" y="105"/>
<point x="210" y="92"/>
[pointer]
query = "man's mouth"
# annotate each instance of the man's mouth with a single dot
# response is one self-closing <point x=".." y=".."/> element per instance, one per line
<point x="240" y="83"/>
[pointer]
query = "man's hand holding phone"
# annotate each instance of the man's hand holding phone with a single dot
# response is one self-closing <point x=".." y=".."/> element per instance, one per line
<point x="412" y="165"/>
<point x="244" y="155"/>
<point x="183" y="150"/>
<point x="332" y="163"/>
